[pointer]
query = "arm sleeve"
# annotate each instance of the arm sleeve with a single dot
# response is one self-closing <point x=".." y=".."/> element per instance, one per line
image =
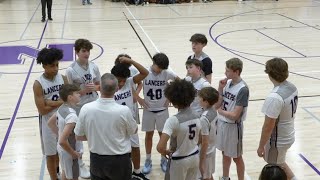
<point x="170" y="125"/>
<point x="272" y="106"/>
<point x="243" y="97"/>
<point x="204" y="125"/>
<point x="207" y="66"/>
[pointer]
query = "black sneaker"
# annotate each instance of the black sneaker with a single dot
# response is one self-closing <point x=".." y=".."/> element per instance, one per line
<point x="50" y="19"/>
<point x="139" y="176"/>
<point x="43" y="20"/>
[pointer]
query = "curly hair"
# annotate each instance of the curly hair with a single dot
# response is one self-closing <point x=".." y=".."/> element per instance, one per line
<point x="161" y="60"/>
<point x="66" y="90"/>
<point x="234" y="64"/>
<point x="82" y="43"/>
<point x="209" y="94"/>
<point x="49" y="56"/>
<point x="199" y="38"/>
<point x="120" y="70"/>
<point x="277" y="68"/>
<point x="117" y="61"/>
<point x="180" y="93"/>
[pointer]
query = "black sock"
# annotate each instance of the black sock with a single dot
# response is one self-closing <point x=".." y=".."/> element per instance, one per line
<point x="58" y="170"/>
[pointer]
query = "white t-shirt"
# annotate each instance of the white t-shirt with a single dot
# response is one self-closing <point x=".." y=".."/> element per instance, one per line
<point x="107" y="126"/>
<point x="281" y="104"/>
<point x="153" y="89"/>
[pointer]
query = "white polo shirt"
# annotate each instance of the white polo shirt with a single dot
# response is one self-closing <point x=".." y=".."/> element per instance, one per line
<point x="107" y="126"/>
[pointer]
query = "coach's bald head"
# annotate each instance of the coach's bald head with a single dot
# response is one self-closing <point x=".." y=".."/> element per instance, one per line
<point x="108" y="85"/>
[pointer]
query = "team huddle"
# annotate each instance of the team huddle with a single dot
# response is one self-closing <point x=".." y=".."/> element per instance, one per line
<point x="103" y="109"/>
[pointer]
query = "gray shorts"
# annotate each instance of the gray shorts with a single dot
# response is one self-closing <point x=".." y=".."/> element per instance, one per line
<point x="229" y="138"/>
<point x="152" y="120"/>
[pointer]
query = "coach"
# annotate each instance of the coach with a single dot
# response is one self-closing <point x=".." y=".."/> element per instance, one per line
<point x="107" y="127"/>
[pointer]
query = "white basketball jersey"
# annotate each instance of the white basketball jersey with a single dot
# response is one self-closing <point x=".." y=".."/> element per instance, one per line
<point x="183" y="130"/>
<point x="198" y="85"/>
<point x="124" y="95"/>
<point x="208" y="121"/>
<point x="67" y="115"/>
<point x="50" y="90"/>
<point x="282" y="104"/>
<point x="153" y="88"/>
<point x="230" y="93"/>
<point x="79" y="76"/>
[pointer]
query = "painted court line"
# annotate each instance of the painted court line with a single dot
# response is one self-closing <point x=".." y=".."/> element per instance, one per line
<point x="146" y="34"/>
<point x="311" y="114"/>
<point x="29" y="21"/>
<point x="280" y="43"/>
<point x="20" y="97"/>
<point x="309" y="163"/>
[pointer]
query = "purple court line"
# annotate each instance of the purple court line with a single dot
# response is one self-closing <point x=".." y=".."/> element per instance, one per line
<point x="20" y="97"/>
<point x="297" y="21"/>
<point x="29" y="22"/>
<point x="64" y="19"/>
<point x="309" y="163"/>
<point x="237" y="54"/>
<point x="280" y="43"/>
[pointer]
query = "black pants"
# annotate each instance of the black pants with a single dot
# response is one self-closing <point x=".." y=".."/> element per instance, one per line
<point x="49" y="6"/>
<point x="104" y="167"/>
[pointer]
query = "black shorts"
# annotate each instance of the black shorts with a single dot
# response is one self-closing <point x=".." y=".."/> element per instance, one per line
<point x="114" y="167"/>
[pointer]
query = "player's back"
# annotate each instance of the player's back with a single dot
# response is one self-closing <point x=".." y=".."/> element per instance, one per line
<point x="210" y="117"/>
<point x="185" y="138"/>
<point x="289" y="95"/>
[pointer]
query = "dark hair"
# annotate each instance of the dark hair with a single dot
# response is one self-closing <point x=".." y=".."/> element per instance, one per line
<point x="82" y="43"/>
<point x="272" y="172"/>
<point x="234" y="64"/>
<point x="277" y="68"/>
<point x="49" y="56"/>
<point x="161" y="60"/>
<point x="209" y="94"/>
<point x="195" y="62"/>
<point x="120" y="70"/>
<point x="66" y="90"/>
<point x="180" y="93"/>
<point x="117" y="61"/>
<point x="199" y="38"/>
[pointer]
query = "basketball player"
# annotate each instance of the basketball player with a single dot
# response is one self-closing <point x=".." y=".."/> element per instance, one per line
<point x="137" y="87"/>
<point x="68" y="148"/>
<point x="193" y="67"/>
<point x="155" y="112"/>
<point x="280" y="107"/>
<point x="232" y="109"/>
<point x="199" y="41"/>
<point x="124" y="96"/>
<point x="208" y="96"/>
<point x="183" y="130"/>
<point x="46" y="95"/>
<point x="85" y="75"/>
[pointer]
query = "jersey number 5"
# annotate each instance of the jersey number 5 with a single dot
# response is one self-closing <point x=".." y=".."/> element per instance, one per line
<point x="192" y="131"/>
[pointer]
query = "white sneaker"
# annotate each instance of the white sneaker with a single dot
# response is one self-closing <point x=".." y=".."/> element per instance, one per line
<point x="84" y="173"/>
